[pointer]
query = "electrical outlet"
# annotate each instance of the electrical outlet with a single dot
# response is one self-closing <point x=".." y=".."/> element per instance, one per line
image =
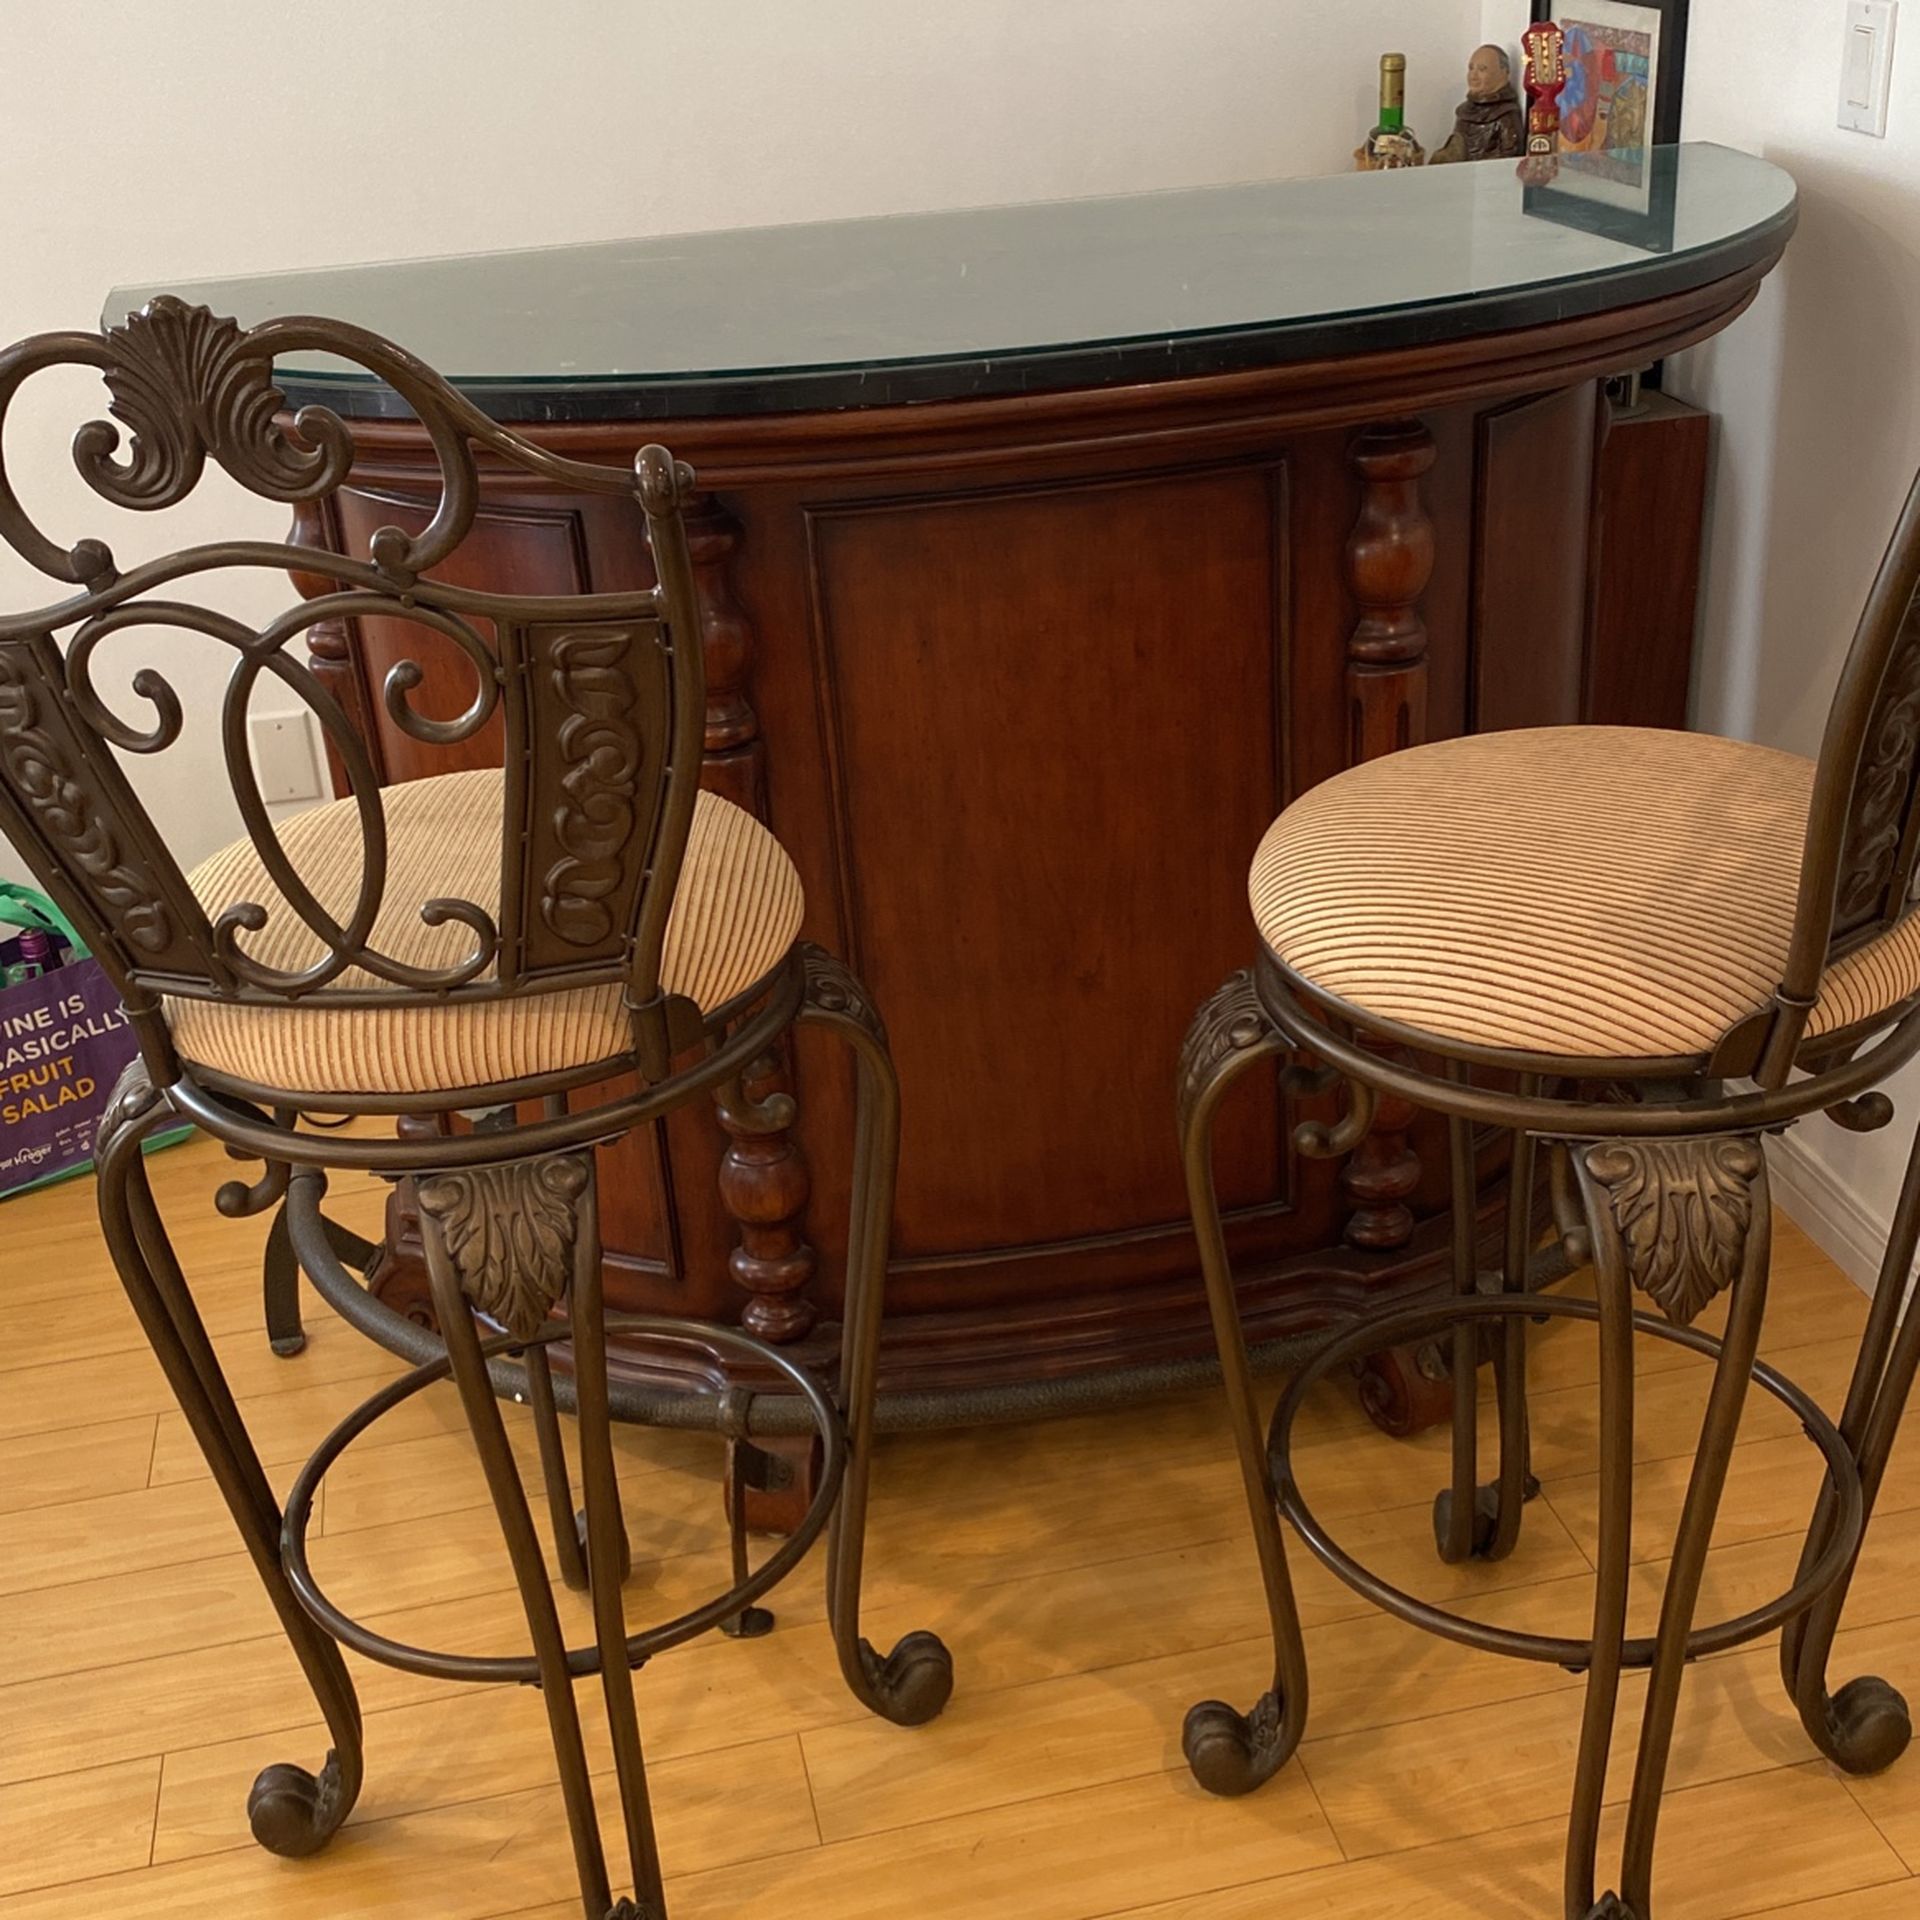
<point x="284" y="761"/>
<point x="1866" y="65"/>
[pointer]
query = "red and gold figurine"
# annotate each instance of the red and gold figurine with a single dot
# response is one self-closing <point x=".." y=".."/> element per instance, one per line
<point x="1546" y="73"/>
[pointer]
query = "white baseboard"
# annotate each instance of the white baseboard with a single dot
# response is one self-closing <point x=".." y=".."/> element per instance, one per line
<point x="1827" y="1210"/>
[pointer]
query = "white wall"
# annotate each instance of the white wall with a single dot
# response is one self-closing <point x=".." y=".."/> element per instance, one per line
<point x="148" y="143"/>
<point x="1817" y="398"/>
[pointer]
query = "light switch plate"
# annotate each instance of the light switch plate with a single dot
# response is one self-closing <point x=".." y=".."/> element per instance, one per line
<point x="284" y="761"/>
<point x="1866" y="65"/>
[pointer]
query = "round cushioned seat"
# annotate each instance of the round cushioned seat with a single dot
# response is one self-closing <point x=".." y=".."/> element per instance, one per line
<point x="736" y="912"/>
<point x="1582" y="892"/>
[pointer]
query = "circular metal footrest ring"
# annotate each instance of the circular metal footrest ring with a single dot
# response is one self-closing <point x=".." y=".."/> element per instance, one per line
<point x="523" y="1669"/>
<point x="1412" y="1322"/>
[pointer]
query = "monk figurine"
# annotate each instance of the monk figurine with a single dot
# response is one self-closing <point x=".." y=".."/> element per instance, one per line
<point x="1489" y="124"/>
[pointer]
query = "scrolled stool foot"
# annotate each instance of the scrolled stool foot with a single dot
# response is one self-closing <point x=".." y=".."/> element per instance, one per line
<point x="913" y="1682"/>
<point x="1868" y="1724"/>
<point x="1230" y="1753"/>
<point x="295" y="1813"/>
<point x="1610" y="1907"/>
<point x="1486" y="1522"/>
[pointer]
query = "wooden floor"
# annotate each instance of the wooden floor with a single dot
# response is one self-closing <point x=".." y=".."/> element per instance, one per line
<point x="1093" y="1578"/>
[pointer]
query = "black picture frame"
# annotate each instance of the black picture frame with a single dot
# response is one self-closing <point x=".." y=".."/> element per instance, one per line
<point x="1649" y="227"/>
<point x="1670" y="82"/>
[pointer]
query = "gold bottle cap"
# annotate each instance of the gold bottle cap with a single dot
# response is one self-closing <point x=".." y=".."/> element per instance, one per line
<point x="1393" y="63"/>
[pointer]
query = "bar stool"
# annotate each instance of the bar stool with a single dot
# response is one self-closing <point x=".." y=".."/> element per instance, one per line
<point x="476" y="938"/>
<point x="1639" y="953"/>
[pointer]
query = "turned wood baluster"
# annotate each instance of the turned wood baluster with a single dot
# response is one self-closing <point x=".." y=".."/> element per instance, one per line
<point x="330" y="648"/>
<point x="1389" y="561"/>
<point x="764" y="1182"/>
<point x="764" y="1185"/>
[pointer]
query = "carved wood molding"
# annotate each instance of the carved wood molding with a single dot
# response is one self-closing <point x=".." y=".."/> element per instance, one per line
<point x="510" y="1233"/>
<point x="1224" y="412"/>
<point x="764" y="1181"/>
<point x="1683" y="1211"/>
<point x="1389" y="563"/>
<point x="765" y="1186"/>
<point x="726" y="645"/>
<point x="334" y="648"/>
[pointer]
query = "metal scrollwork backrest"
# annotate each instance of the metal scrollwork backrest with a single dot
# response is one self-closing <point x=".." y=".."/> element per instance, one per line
<point x="599" y="694"/>
<point x="1863" y="827"/>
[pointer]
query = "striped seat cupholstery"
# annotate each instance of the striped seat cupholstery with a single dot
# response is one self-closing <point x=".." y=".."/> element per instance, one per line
<point x="736" y="912"/>
<point x="1584" y="892"/>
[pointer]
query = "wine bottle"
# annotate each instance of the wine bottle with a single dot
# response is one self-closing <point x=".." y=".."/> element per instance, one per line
<point x="35" y="956"/>
<point x="1392" y="143"/>
<point x="36" y="952"/>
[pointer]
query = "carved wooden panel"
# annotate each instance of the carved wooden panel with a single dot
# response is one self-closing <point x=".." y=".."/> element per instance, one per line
<point x="1530" y="597"/>
<point x="1020" y="732"/>
<point x="1054" y="720"/>
<point x="1650" y="516"/>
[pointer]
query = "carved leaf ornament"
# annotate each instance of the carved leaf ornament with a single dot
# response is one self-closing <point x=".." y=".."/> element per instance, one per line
<point x="1683" y="1210"/>
<point x="510" y="1233"/>
<point x="189" y="383"/>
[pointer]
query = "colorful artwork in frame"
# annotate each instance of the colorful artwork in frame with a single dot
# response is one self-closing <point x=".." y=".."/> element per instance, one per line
<point x="1612" y="58"/>
<point x="1625" y="62"/>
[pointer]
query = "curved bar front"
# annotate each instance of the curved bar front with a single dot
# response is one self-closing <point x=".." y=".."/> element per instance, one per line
<point x="1045" y="554"/>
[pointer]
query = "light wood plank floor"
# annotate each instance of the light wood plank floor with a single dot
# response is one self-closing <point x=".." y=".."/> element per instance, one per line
<point x="1092" y="1576"/>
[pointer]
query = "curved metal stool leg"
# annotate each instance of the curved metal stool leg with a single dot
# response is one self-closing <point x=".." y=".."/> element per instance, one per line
<point x="911" y="1684"/>
<point x="1471" y="1520"/>
<point x="510" y="1239"/>
<point x="291" y="1811"/>
<point x="1865" y="1725"/>
<point x="1614" y="1298"/>
<point x="280" y="1290"/>
<point x="1683" y="1219"/>
<point x="1515" y="1484"/>
<point x="1228" y="1751"/>
<point x="1462" y="1522"/>
<point x="607" y="1563"/>
<point x="279" y="1270"/>
<point x="568" y="1522"/>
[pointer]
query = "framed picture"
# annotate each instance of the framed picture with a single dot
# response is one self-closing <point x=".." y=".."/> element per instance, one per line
<point x="1626" y="61"/>
<point x="1641" y="215"/>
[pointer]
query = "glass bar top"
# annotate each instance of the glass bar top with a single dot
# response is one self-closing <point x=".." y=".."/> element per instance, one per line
<point x="996" y="300"/>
